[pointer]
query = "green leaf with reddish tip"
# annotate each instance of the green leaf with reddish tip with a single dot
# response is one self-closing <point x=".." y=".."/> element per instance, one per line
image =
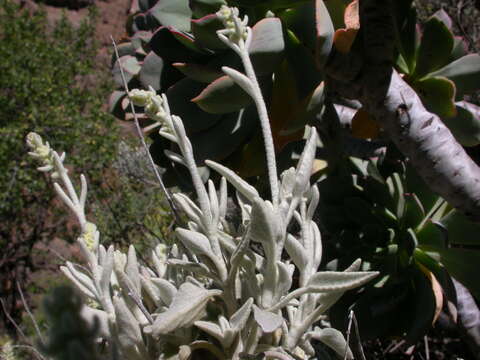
<point x="200" y="73"/>
<point x="444" y="18"/>
<point x="325" y="31"/>
<point x="179" y="98"/>
<point x="222" y="139"/>
<point x="204" y="31"/>
<point x="144" y="22"/>
<point x="131" y="67"/>
<point x="435" y="47"/>
<point x="438" y="95"/>
<point x="464" y="72"/>
<point x="117" y="104"/>
<point x="222" y="96"/>
<point x="465" y="126"/>
<point x="141" y="39"/>
<point x="200" y="8"/>
<point x="166" y="44"/>
<point x="152" y="69"/>
<point x="174" y="13"/>
<point x="267" y="46"/>
<point x="460" y="48"/>
<point x="123" y="50"/>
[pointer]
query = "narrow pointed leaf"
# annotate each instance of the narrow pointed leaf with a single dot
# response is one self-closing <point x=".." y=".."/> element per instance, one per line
<point x="327" y="281"/>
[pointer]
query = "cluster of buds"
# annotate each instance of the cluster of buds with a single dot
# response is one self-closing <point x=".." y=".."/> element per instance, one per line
<point x="43" y="153"/>
<point x="90" y="236"/>
<point x="235" y="29"/>
<point x="152" y="103"/>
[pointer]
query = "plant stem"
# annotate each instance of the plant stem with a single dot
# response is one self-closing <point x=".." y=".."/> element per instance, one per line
<point x="264" y="122"/>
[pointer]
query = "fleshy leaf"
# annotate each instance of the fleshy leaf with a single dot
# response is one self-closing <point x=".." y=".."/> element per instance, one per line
<point x="325" y="32"/>
<point x="222" y="96"/>
<point x="435" y="47"/>
<point x="151" y="72"/>
<point x="464" y="72"/>
<point x="175" y="13"/>
<point x="268" y="321"/>
<point x="131" y="67"/>
<point x="174" y="46"/>
<point x="196" y="242"/>
<point x="179" y="98"/>
<point x="230" y="132"/>
<point x="438" y="95"/>
<point x="197" y="72"/>
<point x="267" y="46"/>
<point x="465" y="126"/>
<point x="205" y="32"/>
<point x="187" y="307"/>
<point x="266" y="224"/>
<point x="202" y="8"/>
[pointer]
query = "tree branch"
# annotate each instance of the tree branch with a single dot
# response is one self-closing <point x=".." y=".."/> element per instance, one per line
<point x="420" y="135"/>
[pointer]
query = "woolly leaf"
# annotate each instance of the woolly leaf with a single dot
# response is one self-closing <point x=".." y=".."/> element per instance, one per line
<point x="268" y="321"/>
<point x="238" y="183"/>
<point x="328" y="281"/>
<point x="187" y="306"/>
<point x="240" y="317"/>
<point x="334" y="339"/>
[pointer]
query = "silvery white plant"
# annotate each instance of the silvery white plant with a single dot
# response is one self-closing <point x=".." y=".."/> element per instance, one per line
<point x="211" y="290"/>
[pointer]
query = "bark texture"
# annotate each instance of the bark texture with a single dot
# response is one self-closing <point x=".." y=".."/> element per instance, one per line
<point x="419" y="134"/>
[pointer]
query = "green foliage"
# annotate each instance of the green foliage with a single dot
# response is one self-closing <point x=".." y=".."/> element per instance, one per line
<point x="178" y="52"/>
<point x="44" y="87"/>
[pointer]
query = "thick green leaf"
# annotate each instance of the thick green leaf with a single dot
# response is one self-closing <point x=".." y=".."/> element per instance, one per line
<point x="444" y="18"/>
<point x="438" y="95"/>
<point x="406" y="33"/>
<point x="423" y="311"/>
<point x="464" y="72"/>
<point x="302" y="64"/>
<point x="435" y="47"/>
<point x="460" y="229"/>
<point x="325" y="31"/>
<point x="228" y="133"/>
<point x="460" y="49"/>
<point x="173" y="46"/>
<point x="179" y="97"/>
<point x="301" y="21"/>
<point x="267" y="47"/>
<point x="117" y="104"/>
<point x="222" y="96"/>
<point x="131" y="67"/>
<point x="197" y="72"/>
<point x="174" y="13"/>
<point x="123" y="49"/>
<point x="151" y="72"/>
<point x="204" y="31"/>
<point x="465" y="126"/>
<point x="144" y="22"/>
<point x="201" y="8"/>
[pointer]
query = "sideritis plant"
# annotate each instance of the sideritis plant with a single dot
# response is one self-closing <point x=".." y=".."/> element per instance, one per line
<point x="223" y="289"/>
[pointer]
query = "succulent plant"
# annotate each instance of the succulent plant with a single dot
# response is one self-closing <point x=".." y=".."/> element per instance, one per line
<point x="381" y="210"/>
<point x="174" y="48"/>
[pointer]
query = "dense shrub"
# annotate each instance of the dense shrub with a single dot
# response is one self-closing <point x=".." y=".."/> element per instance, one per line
<point x="49" y="82"/>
